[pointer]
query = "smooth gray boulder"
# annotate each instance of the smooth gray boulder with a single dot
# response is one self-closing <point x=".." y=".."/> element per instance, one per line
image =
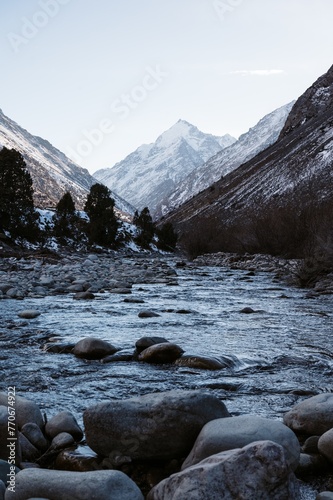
<point x="166" y="352"/>
<point x="325" y="445"/>
<point x="63" y="422"/>
<point x="155" y="426"/>
<point x="26" y="410"/>
<point x="258" y="471"/>
<point x="61" y="441"/>
<point x="14" y="451"/>
<point x="32" y="432"/>
<point x="29" y="452"/>
<point x="92" y="348"/>
<point x="325" y="495"/>
<point x="314" y="416"/>
<point x="236" y="432"/>
<point x="65" y="485"/>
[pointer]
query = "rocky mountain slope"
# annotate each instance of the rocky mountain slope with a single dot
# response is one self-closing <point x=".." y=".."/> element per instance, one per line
<point x="258" y="138"/>
<point x="295" y="171"/>
<point x="153" y="171"/>
<point x="51" y="171"/>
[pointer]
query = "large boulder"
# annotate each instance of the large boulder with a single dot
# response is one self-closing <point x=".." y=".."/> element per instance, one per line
<point x="64" y="485"/>
<point x="258" y="471"/>
<point x="91" y="348"/>
<point x="166" y="352"/>
<point x="236" y="432"/>
<point x="314" y="416"/>
<point x="25" y="410"/>
<point x="155" y="426"/>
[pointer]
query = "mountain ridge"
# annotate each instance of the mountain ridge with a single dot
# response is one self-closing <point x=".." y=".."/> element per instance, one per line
<point x="152" y="171"/>
<point x="52" y="172"/>
<point x="291" y="177"/>
<point x="256" y="139"/>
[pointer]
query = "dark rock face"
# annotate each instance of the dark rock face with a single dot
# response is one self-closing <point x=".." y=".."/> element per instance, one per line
<point x="315" y="101"/>
<point x="155" y="426"/>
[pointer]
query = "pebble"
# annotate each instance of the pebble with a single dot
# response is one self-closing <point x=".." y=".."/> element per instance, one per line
<point x="116" y="273"/>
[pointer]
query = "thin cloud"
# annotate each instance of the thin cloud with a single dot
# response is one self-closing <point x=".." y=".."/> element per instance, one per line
<point x="258" y="72"/>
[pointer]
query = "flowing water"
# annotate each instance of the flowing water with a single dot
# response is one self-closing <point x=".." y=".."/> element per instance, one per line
<point x="280" y="354"/>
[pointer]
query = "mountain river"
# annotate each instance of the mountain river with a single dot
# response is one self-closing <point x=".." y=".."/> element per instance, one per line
<point x="277" y="356"/>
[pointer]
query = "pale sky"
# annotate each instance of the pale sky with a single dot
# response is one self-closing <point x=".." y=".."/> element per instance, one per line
<point x="98" y="78"/>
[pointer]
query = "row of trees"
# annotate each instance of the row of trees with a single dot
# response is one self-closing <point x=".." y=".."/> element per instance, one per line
<point x="99" y="226"/>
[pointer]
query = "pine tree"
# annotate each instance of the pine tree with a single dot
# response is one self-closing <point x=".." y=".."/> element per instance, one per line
<point x="66" y="221"/>
<point x="103" y="223"/>
<point x="146" y="227"/>
<point x="17" y="212"/>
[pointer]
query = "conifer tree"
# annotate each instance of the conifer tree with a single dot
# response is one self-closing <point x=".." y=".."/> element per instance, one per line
<point x="103" y="223"/>
<point x="145" y="226"/>
<point x="17" y="212"/>
<point x="66" y="221"/>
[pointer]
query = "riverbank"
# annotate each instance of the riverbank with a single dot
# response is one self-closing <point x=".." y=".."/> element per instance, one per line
<point x="164" y="446"/>
<point x="295" y="272"/>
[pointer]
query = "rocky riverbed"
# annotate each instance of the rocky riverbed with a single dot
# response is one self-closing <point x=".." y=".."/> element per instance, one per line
<point x="231" y="327"/>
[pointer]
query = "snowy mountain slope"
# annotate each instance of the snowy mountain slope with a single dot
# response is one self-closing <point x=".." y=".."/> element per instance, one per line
<point x="297" y="166"/>
<point x="150" y="173"/>
<point x="51" y="171"/>
<point x="258" y="138"/>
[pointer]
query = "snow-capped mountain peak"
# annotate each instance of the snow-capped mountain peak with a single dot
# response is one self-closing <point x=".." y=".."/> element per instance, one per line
<point x="154" y="170"/>
<point x="258" y="138"/>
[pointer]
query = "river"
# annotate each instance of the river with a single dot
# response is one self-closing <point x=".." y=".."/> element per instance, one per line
<point x="278" y="355"/>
